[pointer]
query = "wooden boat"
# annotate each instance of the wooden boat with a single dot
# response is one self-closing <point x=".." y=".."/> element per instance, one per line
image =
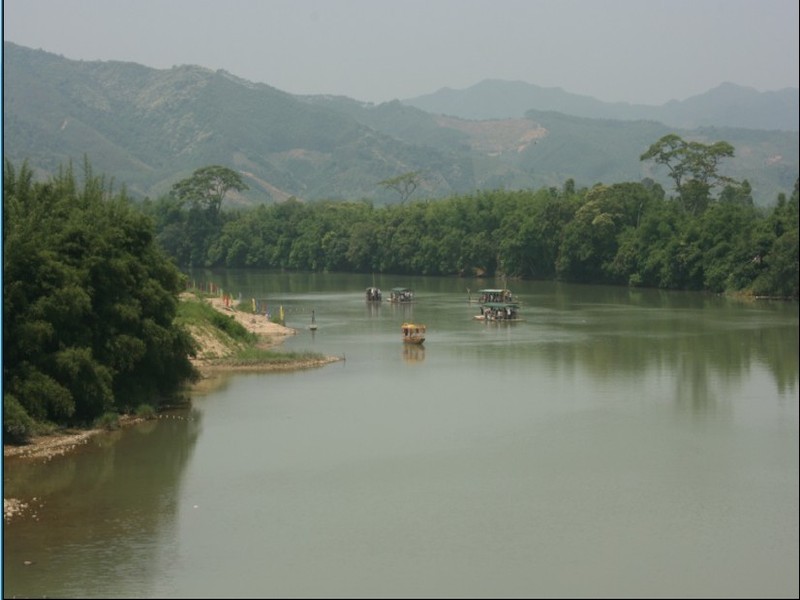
<point x="498" y="311"/>
<point x="374" y="294"/>
<point x="401" y="294"/>
<point x="413" y="333"/>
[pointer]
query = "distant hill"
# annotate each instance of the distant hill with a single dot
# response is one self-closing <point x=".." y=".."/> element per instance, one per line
<point x="545" y="148"/>
<point x="148" y="128"/>
<point x="727" y="105"/>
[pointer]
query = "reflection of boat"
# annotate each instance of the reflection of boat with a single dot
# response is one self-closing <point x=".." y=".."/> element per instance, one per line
<point x="413" y="353"/>
<point x="374" y="294"/>
<point x="413" y="333"/>
<point x="401" y="294"/>
<point x="498" y="311"/>
<point x="495" y="295"/>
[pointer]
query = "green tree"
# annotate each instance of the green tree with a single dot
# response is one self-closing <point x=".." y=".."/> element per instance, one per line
<point x="693" y="167"/>
<point x="405" y="184"/>
<point x="89" y="301"/>
<point x="208" y="186"/>
<point x="780" y="278"/>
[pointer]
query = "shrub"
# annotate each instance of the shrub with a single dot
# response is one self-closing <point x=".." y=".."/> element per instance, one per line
<point x="109" y="421"/>
<point x="145" y="411"/>
<point x="18" y="426"/>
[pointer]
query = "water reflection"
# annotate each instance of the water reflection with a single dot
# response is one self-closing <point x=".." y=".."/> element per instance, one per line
<point x="413" y="353"/>
<point x="373" y="309"/>
<point x="122" y="486"/>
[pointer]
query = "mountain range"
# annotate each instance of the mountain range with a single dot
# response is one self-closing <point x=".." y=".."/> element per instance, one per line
<point x="148" y="128"/>
<point x="727" y="105"/>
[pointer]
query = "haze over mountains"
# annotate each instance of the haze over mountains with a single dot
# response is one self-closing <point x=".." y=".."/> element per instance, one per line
<point x="148" y="128"/>
<point x="727" y="105"/>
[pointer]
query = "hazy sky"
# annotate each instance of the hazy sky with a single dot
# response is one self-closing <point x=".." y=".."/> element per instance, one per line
<point x="641" y="51"/>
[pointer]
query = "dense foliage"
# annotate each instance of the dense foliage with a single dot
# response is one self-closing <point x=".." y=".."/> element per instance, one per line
<point x="625" y="233"/>
<point x="89" y="301"/>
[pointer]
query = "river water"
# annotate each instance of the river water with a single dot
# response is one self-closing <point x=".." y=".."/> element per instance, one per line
<point x="614" y="443"/>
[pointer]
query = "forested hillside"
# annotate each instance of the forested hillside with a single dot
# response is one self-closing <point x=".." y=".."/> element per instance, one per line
<point x="150" y="128"/>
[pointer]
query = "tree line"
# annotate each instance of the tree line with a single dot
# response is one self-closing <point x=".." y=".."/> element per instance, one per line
<point x="707" y="236"/>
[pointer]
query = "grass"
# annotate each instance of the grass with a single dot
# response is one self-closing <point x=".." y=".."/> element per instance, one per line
<point x="201" y="314"/>
<point x="259" y="356"/>
<point x="198" y="315"/>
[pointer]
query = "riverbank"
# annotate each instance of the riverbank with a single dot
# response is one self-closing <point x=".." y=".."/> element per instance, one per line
<point x="214" y="356"/>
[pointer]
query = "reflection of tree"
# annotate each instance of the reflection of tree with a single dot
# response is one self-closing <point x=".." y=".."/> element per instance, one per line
<point x="693" y="389"/>
<point x="778" y="350"/>
<point x="101" y="501"/>
<point x="692" y="346"/>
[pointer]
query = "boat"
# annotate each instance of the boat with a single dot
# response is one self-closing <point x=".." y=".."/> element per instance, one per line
<point x="374" y="294"/>
<point x="413" y="333"/>
<point x="401" y="294"/>
<point x="498" y="311"/>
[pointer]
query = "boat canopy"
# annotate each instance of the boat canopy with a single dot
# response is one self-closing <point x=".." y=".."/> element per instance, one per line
<point x="495" y="295"/>
<point x="398" y="290"/>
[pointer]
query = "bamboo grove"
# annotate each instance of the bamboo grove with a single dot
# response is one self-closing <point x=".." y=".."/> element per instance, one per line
<point x="89" y="305"/>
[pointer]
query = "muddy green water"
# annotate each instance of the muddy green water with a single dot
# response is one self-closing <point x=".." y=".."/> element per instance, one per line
<point x="615" y="443"/>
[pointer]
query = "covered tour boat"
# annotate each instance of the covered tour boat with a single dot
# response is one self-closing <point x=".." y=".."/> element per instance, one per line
<point x="413" y="333"/>
<point x="374" y="294"/>
<point x="401" y="294"/>
<point x="498" y="311"/>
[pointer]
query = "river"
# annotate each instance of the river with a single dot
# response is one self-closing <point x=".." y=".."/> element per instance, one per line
<point x="614" y="443"/>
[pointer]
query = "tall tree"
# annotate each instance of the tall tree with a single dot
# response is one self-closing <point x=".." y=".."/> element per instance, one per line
<point x="208" y="186"/>
<point x="693" y="167"/>
<point x="404" y="184"/>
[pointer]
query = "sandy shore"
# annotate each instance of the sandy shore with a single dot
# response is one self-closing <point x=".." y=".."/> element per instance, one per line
<point x="211" y="358"/>
<point x="257" y="324"/>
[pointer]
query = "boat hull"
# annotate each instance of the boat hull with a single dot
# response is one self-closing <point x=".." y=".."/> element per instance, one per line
<point x="493" y="320"/>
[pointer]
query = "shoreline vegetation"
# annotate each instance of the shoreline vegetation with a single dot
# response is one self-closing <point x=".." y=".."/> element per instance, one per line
<point x="218" y="352"/>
